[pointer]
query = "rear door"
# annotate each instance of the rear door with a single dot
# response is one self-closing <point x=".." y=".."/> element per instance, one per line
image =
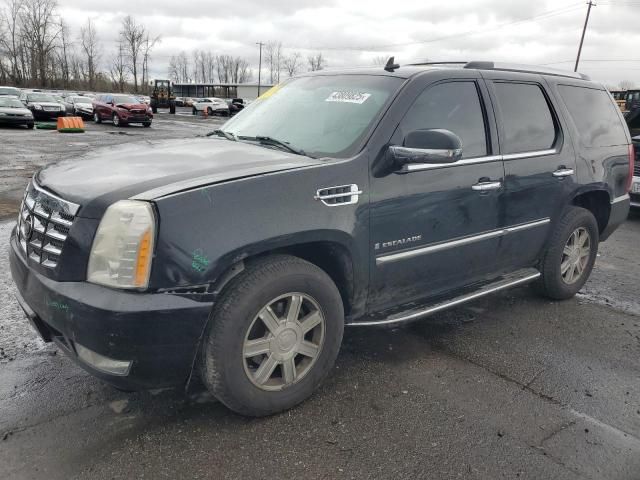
<point x="539" y="163"/>
<point x="433" y="228"/>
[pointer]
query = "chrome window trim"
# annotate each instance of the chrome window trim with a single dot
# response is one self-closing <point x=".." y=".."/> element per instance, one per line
<point x="414" y="167"/>
<point x="437" y="247"/>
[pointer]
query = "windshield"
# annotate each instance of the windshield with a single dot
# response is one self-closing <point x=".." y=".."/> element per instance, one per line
<point x="320" y="115"/>
<point x="10" y="102"/>
<point x="118" y="99"/>
<point x="9" y="91"/>
<point x="40" y="97"/>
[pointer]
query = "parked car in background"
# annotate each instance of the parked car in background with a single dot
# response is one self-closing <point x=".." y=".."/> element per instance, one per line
<point x="67" y="107"/>
<point x="121" y="110"/>
<point x="235" y="105"/>
<point x="42" y="105"/>
<point x="144" y="99"/>
<point x="80" y="106"/>
<point x="10" y="91"/>
<point x="13" y="112"/>
<point x="212" y="105"/>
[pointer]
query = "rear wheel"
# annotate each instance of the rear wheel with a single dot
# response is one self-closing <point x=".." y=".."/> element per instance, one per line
<point x="570" y="255"/>
<point x="96" y="118"/>
<point x="154" y="108"/>
<point x="194" y="111"/>
<point x="273" y="336"/>
<point x="172" y="108"/>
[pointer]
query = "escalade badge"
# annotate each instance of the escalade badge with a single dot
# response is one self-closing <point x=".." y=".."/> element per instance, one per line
<point x="398" y="243"/>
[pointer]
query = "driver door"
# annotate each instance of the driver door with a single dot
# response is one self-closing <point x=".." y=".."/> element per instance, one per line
<point x="435" y="227"/>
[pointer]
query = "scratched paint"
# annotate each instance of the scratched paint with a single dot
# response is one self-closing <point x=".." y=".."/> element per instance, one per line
<point x="199" y="261"/>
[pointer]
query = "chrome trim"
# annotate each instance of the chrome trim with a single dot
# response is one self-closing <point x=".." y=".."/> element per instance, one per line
<point x="634" y="204"/>
<point x="471" y="161"/>
<point x="353" y="194"/>
<point x="414" y="167"/>
<point x="72" y="207"/>
<point x="486" y="186"/>
<point x="437" y="247"/>
<point x="443" y="306"/>
<point x="525" y="226"/>
<point x="621" y="198"/>
<point x="563" y="172"/>
<point x="538" y="153"/>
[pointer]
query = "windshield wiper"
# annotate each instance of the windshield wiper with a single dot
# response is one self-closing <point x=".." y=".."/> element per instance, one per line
<point x="222" y="133"/>
<point x="265" y="140"/>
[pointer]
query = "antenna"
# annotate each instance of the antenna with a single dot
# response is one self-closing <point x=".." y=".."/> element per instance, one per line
<point x="391" y="65"/>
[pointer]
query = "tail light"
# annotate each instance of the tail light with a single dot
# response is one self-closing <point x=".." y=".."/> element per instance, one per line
<point x="632" y="161"/>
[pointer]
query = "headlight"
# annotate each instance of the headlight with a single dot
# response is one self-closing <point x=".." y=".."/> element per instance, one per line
<point x="2" y="114"/>
<point x="122" y="249"/>
<point x="37" y="107"/>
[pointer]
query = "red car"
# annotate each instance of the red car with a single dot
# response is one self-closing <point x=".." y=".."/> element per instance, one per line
<point x="121" y="110"/>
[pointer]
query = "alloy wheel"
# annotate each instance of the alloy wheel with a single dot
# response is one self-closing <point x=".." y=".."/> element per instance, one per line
<point x="283" y="341"/>
<point x="575" y="255"/>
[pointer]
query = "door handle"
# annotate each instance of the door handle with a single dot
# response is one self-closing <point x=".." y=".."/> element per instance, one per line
<point x="486" y="186"/>
<point x="563" y="172"/>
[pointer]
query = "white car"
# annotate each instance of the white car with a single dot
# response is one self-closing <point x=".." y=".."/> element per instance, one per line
<point x="211" y="105"/>
<point x="81" y="105"/>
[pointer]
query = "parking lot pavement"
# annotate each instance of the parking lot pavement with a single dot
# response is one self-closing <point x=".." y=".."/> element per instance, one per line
<point x="23" y="151"/>
<point x="512" y="386"/>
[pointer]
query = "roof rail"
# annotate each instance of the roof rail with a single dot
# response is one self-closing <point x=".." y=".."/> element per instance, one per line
<point x="419" y="64"/>
<point x="515" y="67"/>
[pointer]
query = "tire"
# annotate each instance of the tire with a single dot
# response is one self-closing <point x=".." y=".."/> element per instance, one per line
<point x="559" y="285"/>
<point x="117" y="122"/>
<point x="154" y="108"/>
<point x="30" y="126"/>
<point x="146" y="124"/>
<point x="172" y="108"/>
<point x="209" y="111"/>
<point x="232" y="376"/>
<point x="194" y="111"/>
<point x="96" y="118"/>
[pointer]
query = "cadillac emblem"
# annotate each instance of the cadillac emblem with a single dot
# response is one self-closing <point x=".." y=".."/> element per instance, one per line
<point x="26" y="227"/>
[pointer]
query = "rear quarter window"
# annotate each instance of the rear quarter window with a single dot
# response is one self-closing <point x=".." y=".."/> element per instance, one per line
<point x="594" y="115"/>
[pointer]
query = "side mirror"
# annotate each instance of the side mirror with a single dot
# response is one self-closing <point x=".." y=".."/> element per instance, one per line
<point x="428" y="146"/>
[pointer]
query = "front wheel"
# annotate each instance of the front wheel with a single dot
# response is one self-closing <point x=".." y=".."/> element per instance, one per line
<point x="117" y="122"/>
<point x="194" y="111"/>
<point x="146" y="124"/>
<point x="96" y="118"/>
<point x="273" y="336"/>
<point x="570" y="255"/>
<point x="30" y="126"/>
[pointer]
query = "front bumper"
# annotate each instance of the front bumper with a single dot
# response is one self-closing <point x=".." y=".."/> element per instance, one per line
<point x="158" y="332"/>
<point x="6" y="120"/>
<point x="47" y="115"/>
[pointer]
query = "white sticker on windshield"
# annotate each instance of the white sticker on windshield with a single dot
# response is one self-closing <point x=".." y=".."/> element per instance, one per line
<point x="348" y="97"/>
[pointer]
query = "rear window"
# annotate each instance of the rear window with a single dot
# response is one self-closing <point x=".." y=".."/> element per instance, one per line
<point x="528" y="125"/>
<point x="594" y="115"/>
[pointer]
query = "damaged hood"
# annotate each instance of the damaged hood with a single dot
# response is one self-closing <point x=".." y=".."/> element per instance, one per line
<point x="153" y="169"/>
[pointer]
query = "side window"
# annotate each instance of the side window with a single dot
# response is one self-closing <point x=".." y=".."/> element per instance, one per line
<point x="527" y="122"/>
<point x="594" y="115"/>
<point x="453" y="106"/>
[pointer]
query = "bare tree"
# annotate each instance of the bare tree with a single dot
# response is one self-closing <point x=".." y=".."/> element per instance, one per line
<point x="316" y="61"/>
<point x="133" y="35"/>
<point x="41" y="31"/>
<point x="274" y="59"/>
<point x="293" y="63"/>
<point x="91" y="50"/>
<point x="147" y="46"/>
<point x="118" y="70"/>
<point x="10" y="37"/>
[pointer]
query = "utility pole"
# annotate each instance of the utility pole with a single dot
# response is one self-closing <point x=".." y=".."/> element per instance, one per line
<point x="584" y="30"/>
<point x="259" y="66"/>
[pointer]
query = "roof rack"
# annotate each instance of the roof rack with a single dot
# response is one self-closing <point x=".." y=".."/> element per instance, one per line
<point x="514" y="67"/>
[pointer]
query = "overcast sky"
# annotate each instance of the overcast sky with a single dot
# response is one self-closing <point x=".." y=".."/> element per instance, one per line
<point x="354" y="32"/>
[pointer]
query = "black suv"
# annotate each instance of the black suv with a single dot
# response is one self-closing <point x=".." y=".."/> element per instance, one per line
<point x="361" y="197"/>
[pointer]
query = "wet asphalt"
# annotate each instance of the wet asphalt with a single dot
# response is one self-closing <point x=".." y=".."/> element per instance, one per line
<point x="512" y="386"/>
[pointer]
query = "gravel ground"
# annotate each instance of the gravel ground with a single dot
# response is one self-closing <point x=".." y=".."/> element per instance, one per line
<point x="512" y="386"/>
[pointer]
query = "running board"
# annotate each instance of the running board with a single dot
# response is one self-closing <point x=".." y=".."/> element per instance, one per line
<point x="519" y="277"/>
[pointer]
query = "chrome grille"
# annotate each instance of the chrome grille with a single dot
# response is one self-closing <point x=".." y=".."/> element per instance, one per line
<point x="43" y="225"/>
